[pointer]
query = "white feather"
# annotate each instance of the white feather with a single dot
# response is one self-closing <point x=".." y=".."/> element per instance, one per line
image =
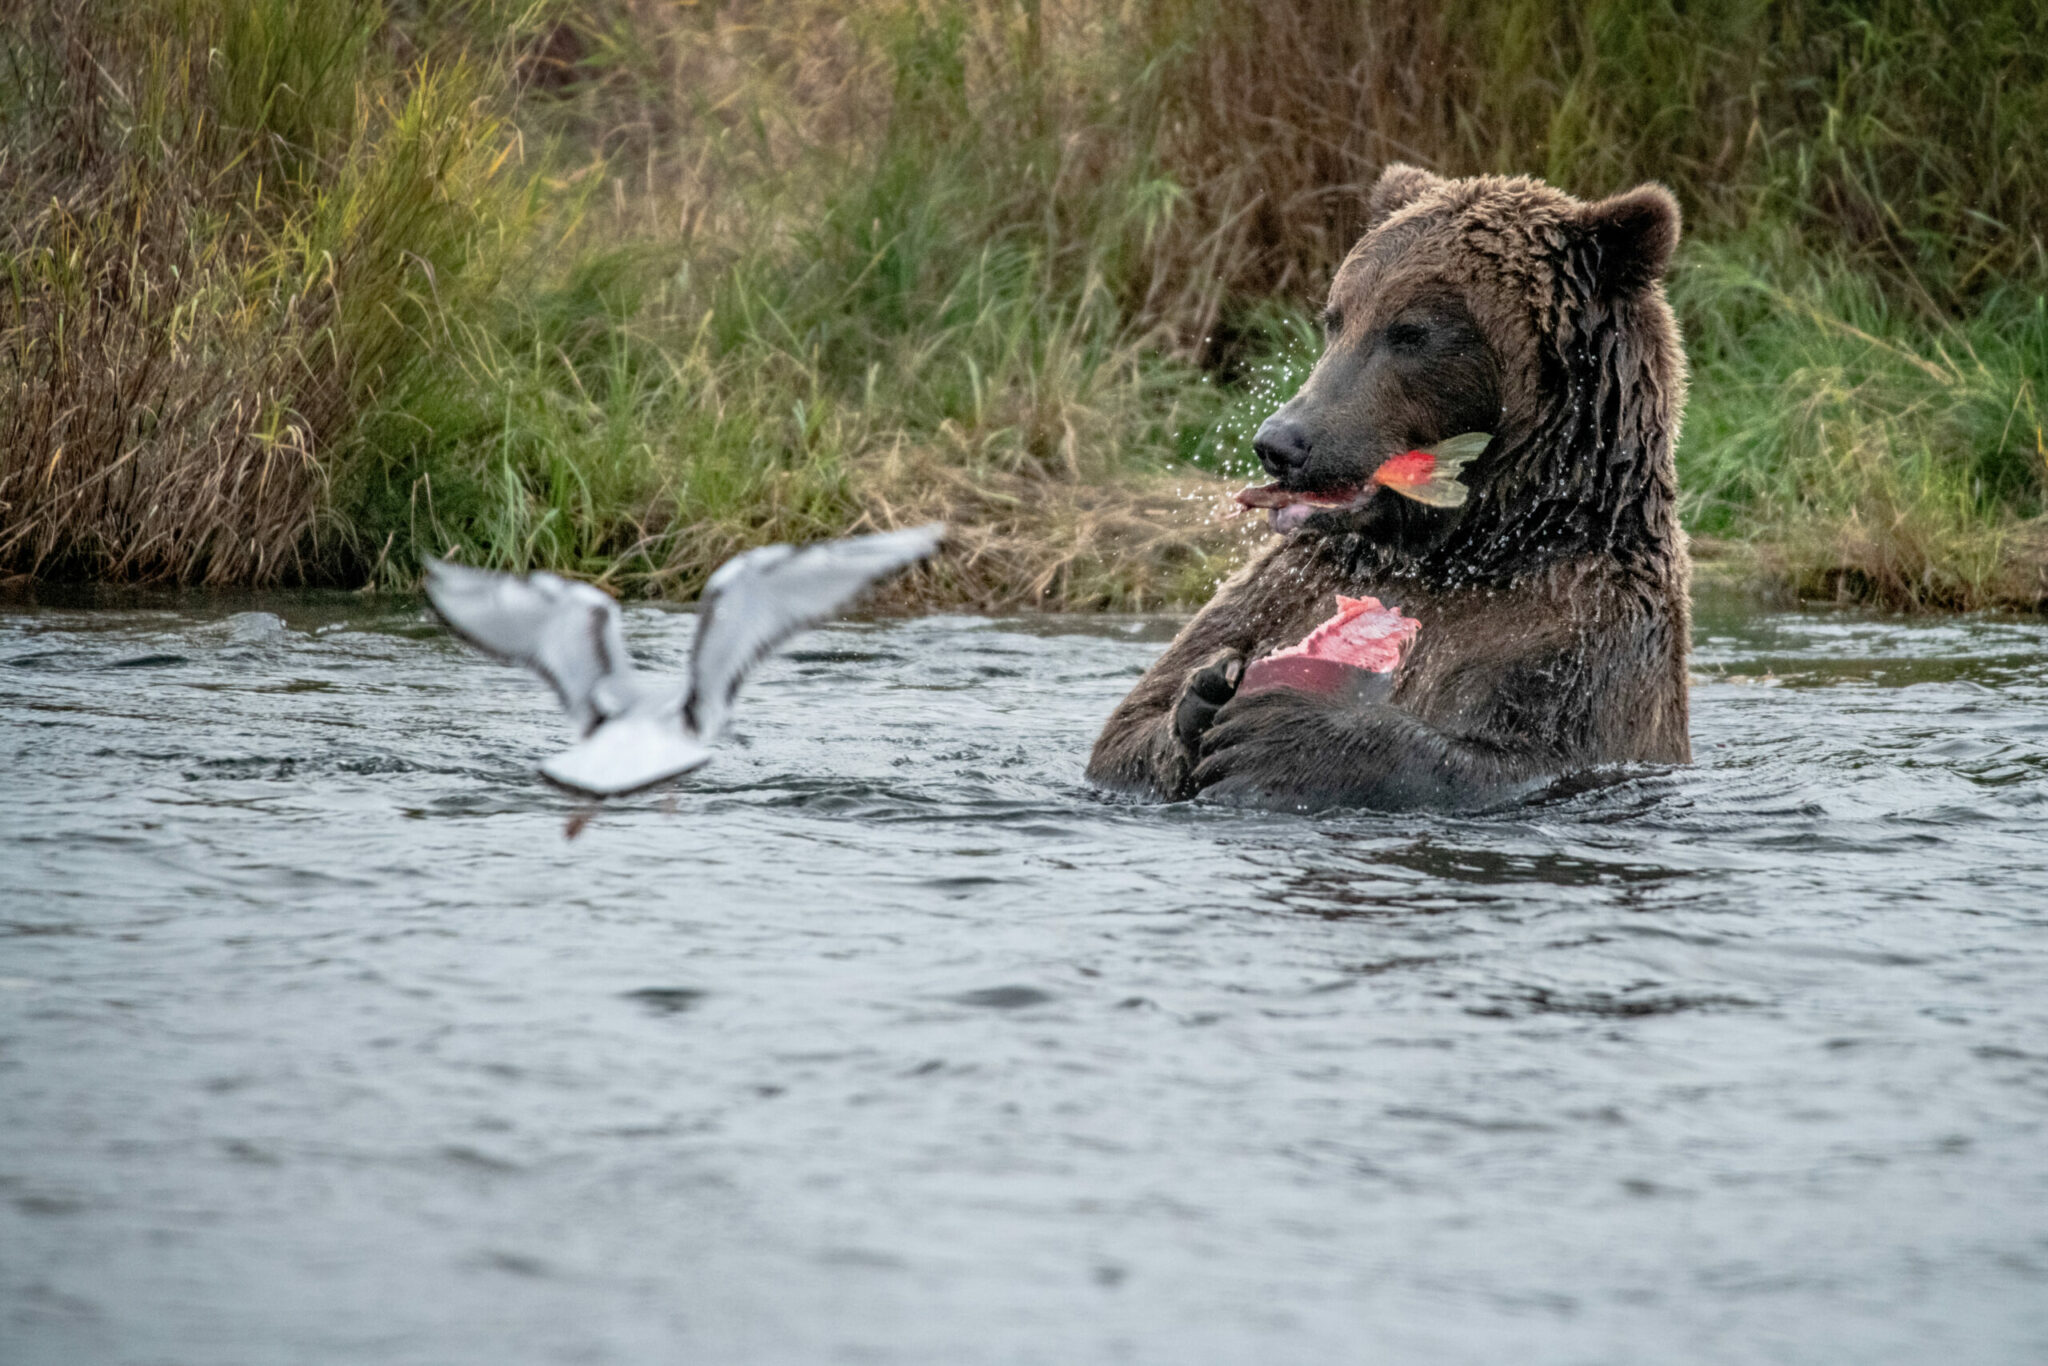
<point x="635" y="734"/>
<point x="566" y="632"/>
<point x="646" y="746"/>
<point x="758" y="600"/>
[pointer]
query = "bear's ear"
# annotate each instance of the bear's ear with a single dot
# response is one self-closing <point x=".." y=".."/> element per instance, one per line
<point x="1399" y="186"/>
<point x="1636" y="233"/>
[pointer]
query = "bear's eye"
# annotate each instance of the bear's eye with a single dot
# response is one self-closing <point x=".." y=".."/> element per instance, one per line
<point x="1407" y="336"/>
<point x="1333" y="322"/>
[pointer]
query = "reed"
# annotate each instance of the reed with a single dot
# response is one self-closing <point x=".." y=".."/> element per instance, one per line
<point x="229" y="229"/>
<point x="1865" y="452"/>
<point x="865" y="281"/>
<point x="1893" y="137"/>
<point x="300" y="291"/>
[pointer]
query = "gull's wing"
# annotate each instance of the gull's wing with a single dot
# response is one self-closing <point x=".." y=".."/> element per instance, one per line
<point x="566" y="632"/>
<point x="758" y="600"/>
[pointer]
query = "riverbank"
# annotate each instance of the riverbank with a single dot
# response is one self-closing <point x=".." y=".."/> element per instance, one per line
<point x="300" y="292"/>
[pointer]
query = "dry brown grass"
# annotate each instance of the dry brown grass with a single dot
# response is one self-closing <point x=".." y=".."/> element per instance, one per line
<point x="1029" y="540"/>
<point x="792" y="267"/>
<point x="1899" y="136"/>
<point x="226" y="232"/>
<point x="147" y="435"/>
<point x="2023" y="577"/>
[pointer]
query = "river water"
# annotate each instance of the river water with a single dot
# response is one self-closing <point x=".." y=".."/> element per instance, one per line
<point x="884" y="1040"/>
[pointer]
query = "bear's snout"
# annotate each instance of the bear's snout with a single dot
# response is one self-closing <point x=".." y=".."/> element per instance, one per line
<point x="1282" y="446"/>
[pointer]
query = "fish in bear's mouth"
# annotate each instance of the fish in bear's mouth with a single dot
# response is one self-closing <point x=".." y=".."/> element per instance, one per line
<point x="1428" y="476"/>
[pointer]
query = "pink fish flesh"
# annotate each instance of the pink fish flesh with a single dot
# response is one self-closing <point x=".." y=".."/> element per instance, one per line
<point x="1365" y="635"/>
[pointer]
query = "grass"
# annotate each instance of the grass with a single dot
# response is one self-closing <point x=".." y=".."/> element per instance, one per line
<point x="1869" y="453"/>
<point x="225" y="241"/>
<point x="845" y="313"/>
<point x="300" y="291"/>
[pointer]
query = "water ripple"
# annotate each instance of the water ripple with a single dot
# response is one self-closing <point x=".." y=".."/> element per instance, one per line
<point x="324" y="1023"/>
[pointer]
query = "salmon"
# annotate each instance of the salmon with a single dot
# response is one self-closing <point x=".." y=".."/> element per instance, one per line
<point x="1365" y="637"/>
<point x="1430" y="476"/>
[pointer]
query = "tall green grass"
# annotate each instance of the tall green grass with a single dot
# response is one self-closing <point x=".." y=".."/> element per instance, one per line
<point x="1897" y="136"/>
<point x="896" y="303"/>
<point x="303" y="291"/>
<point x="1870" y="452"/>
<point x="230" y="229"/>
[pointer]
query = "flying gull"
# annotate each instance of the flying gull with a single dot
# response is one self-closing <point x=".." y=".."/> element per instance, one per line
<point x="635" y="731"/>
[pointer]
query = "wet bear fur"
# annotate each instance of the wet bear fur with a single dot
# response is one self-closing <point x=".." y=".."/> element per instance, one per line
<point x="1554" y="603"/>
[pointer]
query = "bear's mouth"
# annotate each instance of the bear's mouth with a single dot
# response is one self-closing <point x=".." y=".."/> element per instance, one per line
<point x="1287" y="509"/>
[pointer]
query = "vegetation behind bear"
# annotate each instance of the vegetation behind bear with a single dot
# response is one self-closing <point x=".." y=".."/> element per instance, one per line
<point x="299" y="290"/>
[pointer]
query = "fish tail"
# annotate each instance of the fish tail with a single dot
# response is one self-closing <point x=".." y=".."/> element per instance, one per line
<point x="1451" y="468"/>
<point x="1463" y="447"/>
<point x="1441" y="490"/>
<point x="1444" y="488"/>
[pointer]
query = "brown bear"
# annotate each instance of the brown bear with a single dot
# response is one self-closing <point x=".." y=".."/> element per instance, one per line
<point x="1553" y="603"/>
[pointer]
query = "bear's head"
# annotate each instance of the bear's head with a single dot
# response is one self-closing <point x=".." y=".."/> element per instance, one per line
<point x="1495" y="305"/>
